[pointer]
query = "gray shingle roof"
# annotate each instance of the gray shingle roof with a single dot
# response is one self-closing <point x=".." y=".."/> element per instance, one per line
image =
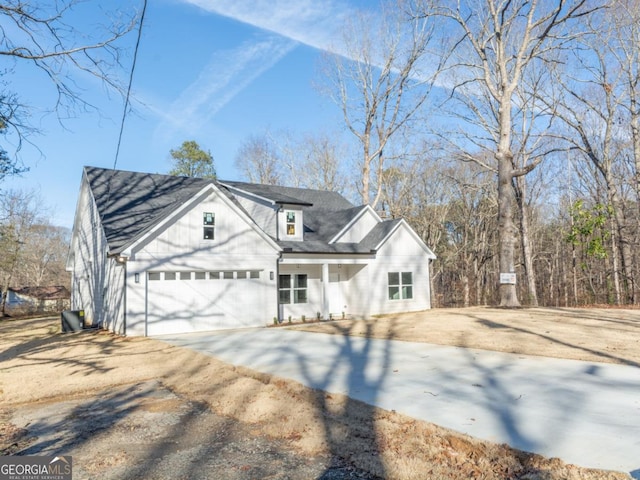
<point x="323" y="224"/>
<point x="55" y="292"/>
<point x="325" y="214"/>
<point x="316" y="246"/>
<point x="131" y="203"/>
<point x="316" y="199"/>
<point x="379" y="233"/>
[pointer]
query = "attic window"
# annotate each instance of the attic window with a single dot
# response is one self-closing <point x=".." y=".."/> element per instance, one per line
<point x="208" y="222"/>
<point x="291" y="223"/>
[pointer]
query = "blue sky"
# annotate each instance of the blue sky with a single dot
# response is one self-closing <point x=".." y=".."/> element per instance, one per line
<point x="214" y="71"/>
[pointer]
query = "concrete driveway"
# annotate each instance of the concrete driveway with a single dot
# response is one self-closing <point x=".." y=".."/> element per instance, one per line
<point x="585" y="413"/>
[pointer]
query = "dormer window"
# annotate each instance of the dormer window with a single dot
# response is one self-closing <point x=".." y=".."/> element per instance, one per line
<point x="291" y="223"/>
<point x="208" y="225"/>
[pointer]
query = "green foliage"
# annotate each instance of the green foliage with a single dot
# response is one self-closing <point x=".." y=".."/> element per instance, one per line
<point x="589" y="228"/>
<point x="191" y="161"/>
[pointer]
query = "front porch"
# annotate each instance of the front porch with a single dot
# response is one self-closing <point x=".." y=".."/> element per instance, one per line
<point x="321" y="288"/>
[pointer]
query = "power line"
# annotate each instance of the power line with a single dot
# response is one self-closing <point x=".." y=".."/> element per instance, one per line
<point x="133" y="67"/>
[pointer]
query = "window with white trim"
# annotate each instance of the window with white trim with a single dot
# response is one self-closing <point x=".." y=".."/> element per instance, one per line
<point x="291" y="223"/>
<point x="293" y="288"/>
<point x="208" y="225"/>
<point x="400" y="285"/>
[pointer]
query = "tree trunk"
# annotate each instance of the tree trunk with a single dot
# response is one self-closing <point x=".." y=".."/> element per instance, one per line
<point x="506" y="228"/>
<point x="465" y="288"/>
<point x="4" y="292"/>
<point x="615" y="255"/>
<point x="529" y="273"/>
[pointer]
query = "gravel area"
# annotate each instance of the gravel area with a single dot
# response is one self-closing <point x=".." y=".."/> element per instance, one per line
<point x="145" y="431"/>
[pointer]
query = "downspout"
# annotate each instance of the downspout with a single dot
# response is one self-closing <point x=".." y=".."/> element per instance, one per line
<point x="146" y="303"/>
<point x="124" y="302"/>
<point x="277" y="279"/>
<point x="120" y="259"/>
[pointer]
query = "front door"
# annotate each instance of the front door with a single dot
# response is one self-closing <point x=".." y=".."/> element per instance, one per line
<point x="337" y="297"/>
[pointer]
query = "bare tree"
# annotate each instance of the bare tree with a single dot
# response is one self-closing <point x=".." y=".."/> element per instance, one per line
<point x="497" y="41"/>
<point x="380" y="78"/>
<point x="45" y="37"/>
<point x="259" y="161"/>
<point x="45" y="253"/>
<point x="532" y="141"/>
<point x="18" y="214"/>
<point x="623" y="20"/>
<point x="593" y="99"/>
<point x="313" y="160"/>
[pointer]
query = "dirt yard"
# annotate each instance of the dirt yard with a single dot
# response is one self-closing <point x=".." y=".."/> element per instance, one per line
<point x="139" y="408"/>
<point x="590" y="334"/>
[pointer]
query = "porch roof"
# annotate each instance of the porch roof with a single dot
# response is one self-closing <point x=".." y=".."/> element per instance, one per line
<point x="319" y="246"/>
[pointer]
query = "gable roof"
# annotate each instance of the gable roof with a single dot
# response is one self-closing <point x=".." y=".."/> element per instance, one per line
<point x="325" y="214"/>
<point x="323" y="224"/>
<point x="380" y="233"/>
<point x="384" y="230"/>
<point x="130" y="203"/>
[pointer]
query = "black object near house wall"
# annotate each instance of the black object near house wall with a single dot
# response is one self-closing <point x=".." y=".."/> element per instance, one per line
<point x="72" y="320"/>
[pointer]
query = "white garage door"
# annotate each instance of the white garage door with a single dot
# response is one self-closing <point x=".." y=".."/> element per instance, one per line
<point x="184" y="302"/>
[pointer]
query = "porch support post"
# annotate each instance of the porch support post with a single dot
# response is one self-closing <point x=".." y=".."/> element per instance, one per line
<point x="325" y="290"/>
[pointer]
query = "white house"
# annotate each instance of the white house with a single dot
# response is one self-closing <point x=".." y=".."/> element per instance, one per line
<point x="156" y="254"/>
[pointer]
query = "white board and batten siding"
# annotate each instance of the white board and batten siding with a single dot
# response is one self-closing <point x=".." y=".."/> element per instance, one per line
<point x="180" y="282"/>
<point x="401" y="253"/>
<point x="87" y="261"/>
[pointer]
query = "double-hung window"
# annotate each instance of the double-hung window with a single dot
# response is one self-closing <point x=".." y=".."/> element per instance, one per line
<point x="208" y="225"/>
<point x="400" y="285"/>
<point x="291" y="223"/>
<point x="293" y="288"/>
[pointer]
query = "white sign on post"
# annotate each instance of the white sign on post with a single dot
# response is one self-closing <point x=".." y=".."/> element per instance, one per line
<point x="507" y="279"/>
